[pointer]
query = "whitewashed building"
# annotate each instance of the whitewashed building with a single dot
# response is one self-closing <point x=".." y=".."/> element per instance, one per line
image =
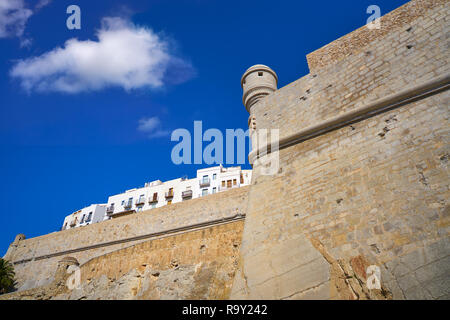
<point x="88" y="215"/>
<point x="156" y="194"/>
<point x="217" y="179"/>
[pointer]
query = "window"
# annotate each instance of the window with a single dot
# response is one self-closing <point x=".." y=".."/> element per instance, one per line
<point x="82" y="219"/>
<point x="204" y="192"/>
<point x="153" y="205"/>
<point x="242" y="178"/>
<point x="223" y="184"/>
<point x="260" y="74"/>
<point x="129" y="203"/>
<point x="123" y="202"/>
<point x="169" y="201"/>
<point x="89" y="217"/>
<point x="234" y="182"/>
<point x="205" y="179"/>
<point x="214" y="190"/>
<point x="228" y="183"/>
<point x="214" y="176"/>
<point x="139" y="209"/>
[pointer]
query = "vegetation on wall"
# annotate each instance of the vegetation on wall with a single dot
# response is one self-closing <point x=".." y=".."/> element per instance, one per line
<point x="6" y="276"/>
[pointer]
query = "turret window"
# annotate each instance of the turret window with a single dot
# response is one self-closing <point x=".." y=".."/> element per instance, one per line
<point x="260" y="74"/>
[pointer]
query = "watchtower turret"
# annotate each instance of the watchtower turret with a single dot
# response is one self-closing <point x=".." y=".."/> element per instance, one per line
<point x="257" y="82"/>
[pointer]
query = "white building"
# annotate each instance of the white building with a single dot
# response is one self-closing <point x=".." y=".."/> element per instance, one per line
<point x="156" y="194"/>
<point x="217" y="179"/>
<point x="88" y="215"/>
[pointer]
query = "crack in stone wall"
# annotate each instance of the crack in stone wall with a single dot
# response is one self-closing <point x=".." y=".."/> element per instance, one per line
<point x="348" y="277"/>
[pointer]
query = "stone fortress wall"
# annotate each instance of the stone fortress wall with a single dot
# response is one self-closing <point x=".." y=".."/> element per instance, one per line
<point x="198" y="264"/>
<point x="35" y="260"/>
<point x="363" y="180"/>
<point x="363" y="177"/>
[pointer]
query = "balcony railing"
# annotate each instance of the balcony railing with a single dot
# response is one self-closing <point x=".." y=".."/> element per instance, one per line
<point x="128" y="204"/>
<point x="73" y="223"/>
<point x="119" y="213"/>
<point x="186" y="194"/>
<point x="110" y="209"/>
<point x="169" y="194"/>
<point x="205" y="182"/>
<point x="140" y="201"/>
<point x="153" y="199"/>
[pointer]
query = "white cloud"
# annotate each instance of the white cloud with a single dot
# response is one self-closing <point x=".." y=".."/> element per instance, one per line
<point x="152" y="127"/>
<point x="14" y="15"/>
<point x="42" y="3"/>
<point x="13" y="18"/>
<point x="124" y="56"/>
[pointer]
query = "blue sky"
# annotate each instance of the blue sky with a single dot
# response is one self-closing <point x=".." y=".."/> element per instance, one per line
<point x="69" y="138"/>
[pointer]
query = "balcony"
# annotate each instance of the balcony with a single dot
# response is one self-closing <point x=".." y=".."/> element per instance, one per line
<point x="140" y="201"/>
<point x="186" y="194"/>
<point x="153" y="199"/>
<point x="205" y="182"/>
<point x="128" y="204"/>
<point x="73" y="223"/>
<point x="169" y="194"/>
<point x="110" y="212"/>
<point x="120" y="213"/>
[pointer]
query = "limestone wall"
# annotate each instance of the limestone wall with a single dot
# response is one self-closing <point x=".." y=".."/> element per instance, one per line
<point x="372" y="193"/>
<point x="355" y="42"/>
<point x="193" y="265"/>
<point x="34" y="268"/>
